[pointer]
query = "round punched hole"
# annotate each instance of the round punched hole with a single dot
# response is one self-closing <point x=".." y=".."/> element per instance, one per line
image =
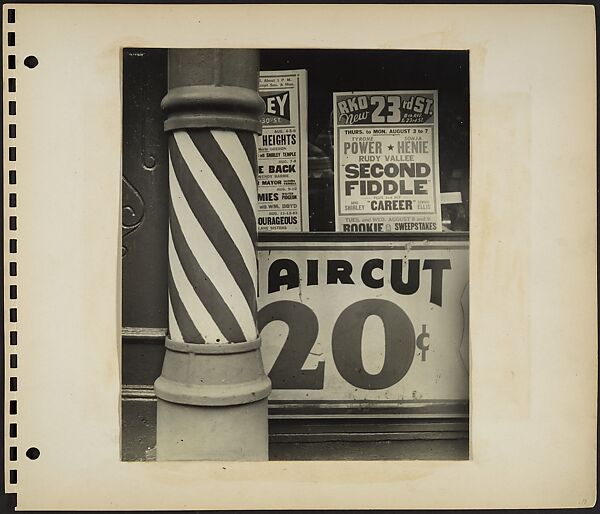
<point x="32" y="453"/>
<point x="31" y="61"/>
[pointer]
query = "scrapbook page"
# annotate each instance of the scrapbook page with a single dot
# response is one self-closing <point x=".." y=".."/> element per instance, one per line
<point x="316" y="266"/>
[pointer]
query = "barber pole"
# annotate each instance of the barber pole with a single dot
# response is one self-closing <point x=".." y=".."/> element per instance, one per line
<point x="212" y="392"/>
<point x="211" y="214"/>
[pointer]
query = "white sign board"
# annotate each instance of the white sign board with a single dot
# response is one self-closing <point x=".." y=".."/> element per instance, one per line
<point x="386" y="161"/>
<point x="283" y="153"/>
<point x="361" y="322"/>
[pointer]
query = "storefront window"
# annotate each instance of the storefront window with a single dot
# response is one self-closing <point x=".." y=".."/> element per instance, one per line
<point x="330" y="71"/>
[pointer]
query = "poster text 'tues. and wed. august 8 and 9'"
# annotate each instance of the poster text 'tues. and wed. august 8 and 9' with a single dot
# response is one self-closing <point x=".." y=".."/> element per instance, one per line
<point x="387" y="171"/>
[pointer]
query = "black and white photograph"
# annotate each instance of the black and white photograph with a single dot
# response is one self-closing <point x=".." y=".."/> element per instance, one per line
<point x="295" y="254"/>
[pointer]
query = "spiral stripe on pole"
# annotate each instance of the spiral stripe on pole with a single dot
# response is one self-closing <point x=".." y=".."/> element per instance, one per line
<point x="227" y="223"/>
<point x="224" y="205"/>
<point x="219" y="217"/>
<point x="228" y="177"/>
<point x="203" y="286"/>
<point x="234" y="152"/>
<point x="202" y="321"/>
<point x="213" y="280"/>
<point x="213" y="298"/>
<point x="174" y="330"/>
<point x="249" y="141"/>
<point x="181" y="316"/>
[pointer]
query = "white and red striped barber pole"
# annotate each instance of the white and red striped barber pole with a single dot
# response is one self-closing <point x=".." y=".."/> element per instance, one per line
<point x="212" y="393"/>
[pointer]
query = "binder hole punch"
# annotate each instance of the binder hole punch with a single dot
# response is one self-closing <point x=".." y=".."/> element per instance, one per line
<point x="31" y="61"/>
<point x="32" y="453"/>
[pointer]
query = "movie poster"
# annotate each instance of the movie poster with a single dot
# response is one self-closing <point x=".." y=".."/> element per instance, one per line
<point x="386" y="161"/>
<point x="283" y="153"/>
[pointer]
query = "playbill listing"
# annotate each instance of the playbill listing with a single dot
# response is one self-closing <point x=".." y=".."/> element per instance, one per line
<point x="387" y="172"/>
<point x="283" y="153"/>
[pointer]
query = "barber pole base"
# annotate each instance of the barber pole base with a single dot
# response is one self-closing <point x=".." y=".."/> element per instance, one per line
<point x="212" y="402"/>
<point x="212" y="433"/>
